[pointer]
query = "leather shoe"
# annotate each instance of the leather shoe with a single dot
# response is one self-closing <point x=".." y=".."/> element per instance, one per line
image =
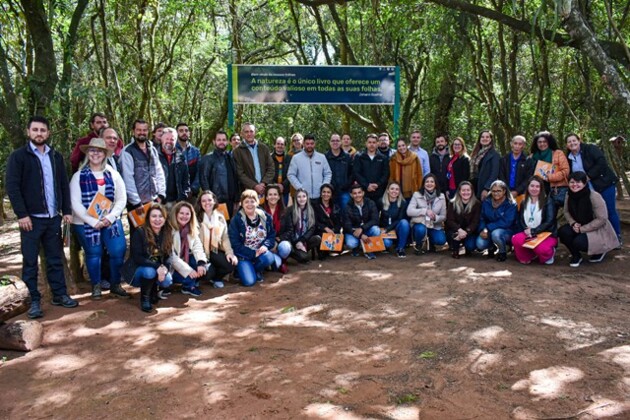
<point x="145" y="303"/>
<point x="35" y="311"/>
<point x="116" y="290"/>
<point x="97" y="294"/>
<point x="65" y="301"/>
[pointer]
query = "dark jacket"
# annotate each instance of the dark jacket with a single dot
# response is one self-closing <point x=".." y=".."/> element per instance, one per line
<point x="139" y="256"/>
<point x="389" y="218"/>
<point x="465" y="221"/>
<point x="286" y="161"/>
<point x="176" y="175"/>
<point x="461" y="170"/>
<point x="503" y="217"/>
<point x="287" y="232"/>
<point x="341" y="167"/>
<point x="371" y="171"/>
<point x="439" y="168"/>
<point x="523" y="172"/>
<point x="488" y="172"/>
<point x="25" y="183"/>
<point x="599" y="172"/>
<point x="225" y="187"/>
<point x="236" y="232"/>
<point x="548" y="221"/>
<point x="352" y="219"/>
<point x="323" y="220"/>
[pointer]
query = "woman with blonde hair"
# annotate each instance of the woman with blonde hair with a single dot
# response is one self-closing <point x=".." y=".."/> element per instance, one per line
<point x="189" y="259"/>
<point x="252" y="237"/>
<point x="462" y="219"/>
<point x="458" y="168"/>
<point x="299" y="226"/>
<point x="214" y="238"/>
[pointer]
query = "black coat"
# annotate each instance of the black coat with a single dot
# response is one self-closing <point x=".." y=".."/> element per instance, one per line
<point x="439" y="169"/>
<point x="488" y="172"/>
<point x="323" y="220"/>
<point x="372" y="171"/>
<point x="352" y="219"/>
<point x="341" y="167"/>
<point x="599" y="172"/>
<point x="25" y="183"/>
<point x="548" y="221"/>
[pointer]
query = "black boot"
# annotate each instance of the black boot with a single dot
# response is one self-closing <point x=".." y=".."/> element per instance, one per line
<point x="154" y="293"/>
<point x="145" y="294"/>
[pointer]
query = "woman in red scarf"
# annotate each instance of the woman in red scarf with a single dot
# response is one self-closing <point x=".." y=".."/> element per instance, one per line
<point x="458" y="168"/>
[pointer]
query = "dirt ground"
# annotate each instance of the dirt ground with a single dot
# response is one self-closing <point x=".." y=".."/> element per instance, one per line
<point x="427" y="337"/>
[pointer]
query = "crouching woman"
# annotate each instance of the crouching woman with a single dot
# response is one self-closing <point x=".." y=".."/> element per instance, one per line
<point x="189" y="259"/>
<point x="252" y="236"/>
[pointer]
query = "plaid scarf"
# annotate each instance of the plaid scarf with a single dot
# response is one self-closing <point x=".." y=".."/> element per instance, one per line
<point x="89" y="188"/>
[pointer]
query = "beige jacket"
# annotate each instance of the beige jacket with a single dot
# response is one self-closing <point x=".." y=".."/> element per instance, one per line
<point x="600" y="233"/>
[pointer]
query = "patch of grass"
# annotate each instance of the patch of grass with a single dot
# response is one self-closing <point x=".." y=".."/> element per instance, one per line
<point x="252" y="349"/>
<point x="451" y="322"/>
<point x="287" y="309"/>
<point x="342" y="390"/>
<point x="502" y="387"/>
<point x="406" y="399"/>
<point x="428" y="354"/>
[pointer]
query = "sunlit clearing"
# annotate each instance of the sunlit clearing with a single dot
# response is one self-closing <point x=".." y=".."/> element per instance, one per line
<point x="576" y="335"/>
<point x="548" y="383"/>
<point x="443" y="302"/>
<point x="458" y="269"/>
<point x="56" y="398"/>
<point x="490" y="276"/>
<point x="151" y="370"/>
<point x="113" y="329"/>
<point x="619" y="355"/>
<point x="400" y="412"/>
<point x="602" y="407"/>
<point x="61" y="364"/>
<point x="481" y="361"/>
<point x="329" y="411"/>
<point x="487" y="335"/>
<point x="192" y="322"/>
<point x="300" y="318"/>
<point x="428" y="264"/>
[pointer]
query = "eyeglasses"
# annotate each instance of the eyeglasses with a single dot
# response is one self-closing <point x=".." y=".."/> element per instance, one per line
<point x="496" y="191"/>
<point x="96" y="151"/>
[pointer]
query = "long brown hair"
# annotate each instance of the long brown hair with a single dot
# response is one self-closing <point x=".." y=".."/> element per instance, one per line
<point x="478" y="144"/>
<point x="166" y="247"/>
<point x="542" y="198"/>
<point x="199" y="211"/>
<point x="193" y="226"/>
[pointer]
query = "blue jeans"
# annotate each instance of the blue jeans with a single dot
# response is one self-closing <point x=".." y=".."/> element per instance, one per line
<point x="402" y="233"/>
<point x="247" y="269"/>
<point x="187" y="281"/>
<point x="116" y="247"/>
<point x="469" y="243"/>
<point x="150" y="273"/>
<point x="500" y="237"/>
<point x="436" y="236"/>
<point x="353" y="242"/>
<point x="47" y="233"/>
<point x="282" y="253"/>
<point x="610" y="198"/>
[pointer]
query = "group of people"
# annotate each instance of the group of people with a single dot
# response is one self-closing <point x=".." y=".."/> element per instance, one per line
<point x="243" y="208"/>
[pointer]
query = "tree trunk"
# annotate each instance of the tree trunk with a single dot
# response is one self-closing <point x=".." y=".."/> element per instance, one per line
<point x="14" y="297"/>
<point x="21" y="335"/>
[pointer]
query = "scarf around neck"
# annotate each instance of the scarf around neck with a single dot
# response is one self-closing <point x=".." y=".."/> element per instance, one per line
<point x="580" y="206"/>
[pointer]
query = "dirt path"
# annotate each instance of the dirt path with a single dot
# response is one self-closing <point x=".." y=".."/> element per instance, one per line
<point x="426" y="337"/>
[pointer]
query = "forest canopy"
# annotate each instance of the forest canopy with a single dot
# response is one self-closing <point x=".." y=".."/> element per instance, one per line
<point x="514" y="67"/>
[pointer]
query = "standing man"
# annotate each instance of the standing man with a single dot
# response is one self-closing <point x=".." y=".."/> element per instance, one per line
<point x="97" y="122"/>
<point x="158" y="130"/>
<point x="217" y="173"/>
<point x="340" y="164"/>
<point x="346" y="145"/>
<point x="114" y="144"/>
<point x="175" y="169"/>
<point x="309" y="169"/>
<point x="191" y="155"/>
<point x="235" y="141"/>
<point x="414" y="145"/>
<point x="281" y="162"/>
<point x="439" y="159"/>
<point x="253" y="162"/>
<point x="513" y="167"/>
<point x="141" y="169"/>
<point x="371" y="170"/>
<point x="383" y="145"/>
<point x="39" y="191"/>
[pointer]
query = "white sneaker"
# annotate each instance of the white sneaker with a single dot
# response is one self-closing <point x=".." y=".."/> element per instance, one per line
<point x="552" y="259"/>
